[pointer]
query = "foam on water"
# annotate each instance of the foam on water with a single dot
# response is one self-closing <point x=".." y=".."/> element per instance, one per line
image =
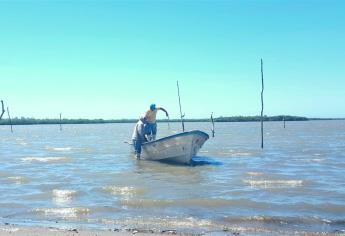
<point x="143" y="203"/>
<point x="63" y="193"/>
<point x="317" y="160"/>
<point x="67" y="212"/>
<point x="274" y="183"/>
<point x="59" y="148"/>
<point x="62" y="149"/>
<point x="61" y="196"/>
<point x="69" y="149"/>
<point x="9" y="229"/>
<point x="126" y="191"/>
<point x="235" y="153"/>
<point x="45" y="159"/>
<point x="255" y="173"/>
<point x="6" y="177"/>
<point x="18" y="179"/>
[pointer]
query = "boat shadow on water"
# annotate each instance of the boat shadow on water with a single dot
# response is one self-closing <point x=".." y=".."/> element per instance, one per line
<point x="196" y="161"/>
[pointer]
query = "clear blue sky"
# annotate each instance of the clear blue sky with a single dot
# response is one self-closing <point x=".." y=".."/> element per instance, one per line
<point x="112" y="59"/>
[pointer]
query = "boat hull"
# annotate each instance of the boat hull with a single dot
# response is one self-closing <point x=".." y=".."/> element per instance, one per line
<point x="178" y="148"/>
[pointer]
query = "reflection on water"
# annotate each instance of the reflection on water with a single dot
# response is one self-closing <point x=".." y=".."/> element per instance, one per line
<point x="87" y="175"/>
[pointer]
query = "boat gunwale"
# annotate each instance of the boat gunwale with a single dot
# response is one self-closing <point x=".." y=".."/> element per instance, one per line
<point x="178" y="135"/>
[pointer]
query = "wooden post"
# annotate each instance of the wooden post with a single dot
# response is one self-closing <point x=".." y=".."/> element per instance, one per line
<point x="179" y="101"/>
<point x="9" y="118"/>
<point x="60" y="123"/>
<point x="2" y="110"/>
<point x="212" y="129"/>
<point x="168" y="122"/>
<point x="284" y="121"/>
<point x="262" y="105"/>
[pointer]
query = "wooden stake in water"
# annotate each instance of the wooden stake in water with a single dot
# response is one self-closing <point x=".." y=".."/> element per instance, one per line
<point x="212" y="121"/>
<point x="60" y="123"/>
<point x="9" y="118"/>
<point x="262" y="105"/>
<point x="284" y="121"/>
<point x="168" y="123"/>
<point x="179" y="101"/>
<point x="3" y="109"/>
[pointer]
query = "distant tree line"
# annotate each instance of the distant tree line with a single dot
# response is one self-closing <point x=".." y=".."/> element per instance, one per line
<point x="258" y="118"/>
<point x="33" y="121"/>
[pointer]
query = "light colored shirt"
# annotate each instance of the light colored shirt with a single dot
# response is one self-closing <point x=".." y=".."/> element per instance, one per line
<point x="151" y="115"/>
<point x="139" y="131"/>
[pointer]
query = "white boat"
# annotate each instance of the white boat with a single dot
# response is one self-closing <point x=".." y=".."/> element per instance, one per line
<point x="178" y="148"/>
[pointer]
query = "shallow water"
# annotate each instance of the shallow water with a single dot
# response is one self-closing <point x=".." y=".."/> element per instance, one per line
<point x="86" y="176"/>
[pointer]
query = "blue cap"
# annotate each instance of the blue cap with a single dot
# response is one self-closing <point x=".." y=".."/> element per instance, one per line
<point x="153" y="106"/>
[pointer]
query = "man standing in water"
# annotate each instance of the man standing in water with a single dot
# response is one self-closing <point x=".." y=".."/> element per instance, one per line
<point x="151" y="125"/>
<point x="138" y="136"/>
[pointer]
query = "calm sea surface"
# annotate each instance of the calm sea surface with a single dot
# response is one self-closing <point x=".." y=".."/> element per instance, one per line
<point x="87" y="177"/>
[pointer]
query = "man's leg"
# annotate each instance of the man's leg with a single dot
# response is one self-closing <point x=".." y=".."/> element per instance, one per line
<point x="137" y="148"/>
<point x="154" y="131"/>
<point x="149" y="131"/>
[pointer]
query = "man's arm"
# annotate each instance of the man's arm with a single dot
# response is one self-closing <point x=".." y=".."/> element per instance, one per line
<point x="166" y="113"/>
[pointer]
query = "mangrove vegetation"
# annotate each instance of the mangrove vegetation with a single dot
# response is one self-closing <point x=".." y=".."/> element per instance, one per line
<point x="33" y="121"/>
